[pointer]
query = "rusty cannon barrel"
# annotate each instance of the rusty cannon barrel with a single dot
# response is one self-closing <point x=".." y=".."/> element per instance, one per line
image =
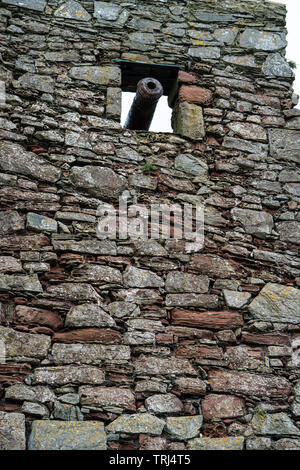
<point x="141" y="113"/>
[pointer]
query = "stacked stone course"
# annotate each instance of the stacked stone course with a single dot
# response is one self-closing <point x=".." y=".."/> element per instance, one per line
<point x="128" y="344"/>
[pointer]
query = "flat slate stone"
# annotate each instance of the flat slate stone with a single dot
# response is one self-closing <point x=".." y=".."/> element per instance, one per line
<point x="10" y="222"/>
<point x="257" y="223"/>
<point x="189" y="121"/>
<point x="106" y="11"/>
<point x="289" y="231"/>
<point x="19" y="344"/>
<point x="285" y="144"/>
<point x="98" y="181"/>
<point x="144" y="423"/>
<point x="72" y="10"/>
<point x="64" y="375"/>
<point x="70" y="435"/>
<point x="184" y="427"/>
<point x="205" y="52"/>
<point x="12" y="282"/>
<point x="12" y="431"/>
<point x="89" y="353"/>
<point x="277" y="303"/>
<point x="190" y="165"/>
<point x="276" y="66"/>
<point x="106" y="75"/>
<point x="262" y="40"/>
<point x="276" y="424"/>
<point x="38" y="5"/>
<point x="235" y="299"/>
<point x="40" y="223"/>
<point x="218" y="443"/>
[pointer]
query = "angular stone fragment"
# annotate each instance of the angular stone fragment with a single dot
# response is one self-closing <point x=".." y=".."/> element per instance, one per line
<point x="257" y="223"/>
<point x="106" y="75"/>
<point x="88" y="335"/>
<point x="184" y="427"/>
<point x="74" y="292"/>
<point x="139" y="296"/>
<point x="67" y="435"/>
<point x="248" y="131"/>
<point x="21" y="345"/>
<point x="10" y="222"/>
<point x="217" y="443"/>
<point x="245" y="146"/>
<point x="135" y="277"/>
<point x="30" y="315"/>
<point x="35" y="409"/>
<point x="245" y="357"/>
<point x="285" y="144"/>
<point x="22" y="392"/>
<point x="40" y="223"/>
<point x="64" y="375"/>
<point x="14" y="159"/>
<point x="145" y="423"/>
<point x="248" y="384"/>
<point x="8" y="264"/>
<point x="151" y="365"/>
<point x="277" y="303"/>
<point x="89" y="353"/>
<point x="235" y="299"/>
<point x="192" y="300"/>
<point x="276" y="66"/>
<point x="190" y="165"/>
<point x="212" y="320"/>
<point x="72" y="10"/>
<point x="98" y="181"/>
<point x="88" y="315"/>
<point x="41" y="83"/>
<point x="164" y="404"/>
<point x="222" y="406"/>
<point x="12" y="431"/>
<point x="185" y="282"/>
<point x="276" y="424"/>
<point x="216" y="267"/>
<point x="107" y="396"/>
<point x="289" y="231"/>
<point x="189" y="121"/>
<point x="262" y="40"/>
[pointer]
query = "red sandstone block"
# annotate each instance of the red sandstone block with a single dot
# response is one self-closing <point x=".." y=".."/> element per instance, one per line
<point x="276" y="339"/>
<point x="28" y="315"/>
<point x="186" y="77"/>
<point x="88" y="335"/>
<point x="195" y="94"/>
<point x="199" y="351"/>
<point x="212" y="320"/>
<point x="152" y="443"/>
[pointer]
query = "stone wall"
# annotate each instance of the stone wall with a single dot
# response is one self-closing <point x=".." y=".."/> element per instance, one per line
<point x="127" y="344"/>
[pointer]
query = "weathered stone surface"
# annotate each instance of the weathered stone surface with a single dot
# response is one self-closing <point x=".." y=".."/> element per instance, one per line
<point x="164" y="404"/>
<point x="284" y="144"/>
<point x="98" y="181"/>
<point x="185" y="282"/>
<point x="190" y="165"/>
<point x="211" y="320"/>
<point x="106" y="75"/>
<point x="262" y="40"/>
<point x="94" y="247"/>
<point x="10" y="222"/>
<point x="151" y="365"/>
<point x="222" y="406"/>
<point x="276" y="66"/>
<point x="137" y="423"/>
<point x="30" y="315"/>
<point x="289" y="231"/>
<point x="22" y="345"/>
<point x="107" y="396"/>
<point x="258" y="443"/>
<point x="74" y="292"/>
<point x="276" y="424"/>
<point x="89" y="353"/>
<point x="37" y="5"/>
<point x="245" y="146"/>
<point x="88" y="335"/>
<point x="13" y="158"/>
<point x="40" y="223"/>
<point x="190" y="386"/>
<point x="248" y="131"/>
<point x="35" y="409"/>
<point x="195" y="94"/>
<point x="244" y="357"/>
<point x="71" y="435"/>
<point x="192" y="300"/>
<point x="8" y="264"/>
<point x="204" y="52"/>
<point x="184" y="427"/>
<point x="242" y="61"/>
<point x="106" y="11"/>
<point x="235" y="299"/>
<point x="64" y="375"/>
<point x="248" y="384"/>
<point x="197" y="351"/>
<point x="97" y="273"/>
<point x="189" y="121"/>
<point x="72" y="10"/>
<point x="152" y="443"/>
<point x="135" y="277"/>
<point x="88" y="315"/>
<point x="217" y="443"/>
<point x="33" y="81"/>
<point x="257" y="223"/>
<point x="266" y="338"/>
<point x="22" y="392"/>
<point x="277" y="303"/>
<point x="215" y="266"/>
<point x="12" y="431"/>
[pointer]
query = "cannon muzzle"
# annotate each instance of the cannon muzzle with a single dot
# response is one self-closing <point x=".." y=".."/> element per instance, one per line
<point x="141" y="113"/>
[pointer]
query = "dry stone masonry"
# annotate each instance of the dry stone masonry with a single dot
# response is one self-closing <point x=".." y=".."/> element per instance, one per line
<point x="125" y="344"/>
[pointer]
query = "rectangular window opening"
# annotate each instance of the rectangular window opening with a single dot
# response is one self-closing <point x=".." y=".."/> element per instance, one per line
<point x="166" y="74"/>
